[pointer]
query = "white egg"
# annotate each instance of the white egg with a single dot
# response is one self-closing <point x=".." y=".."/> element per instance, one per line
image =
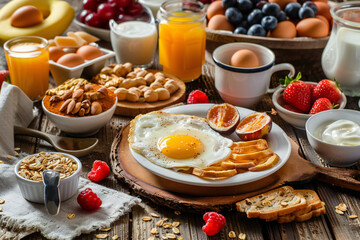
<point x="177" y="141"/>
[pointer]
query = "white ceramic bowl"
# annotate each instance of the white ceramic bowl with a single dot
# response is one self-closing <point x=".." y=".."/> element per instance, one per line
<point x="34" y="190"/>
<point x="90" y="68"/>
<point x="82" y="126"/>
<point x="298" y="120"/>
<point x="335" y="155"/>
<point x="245" y="87"/>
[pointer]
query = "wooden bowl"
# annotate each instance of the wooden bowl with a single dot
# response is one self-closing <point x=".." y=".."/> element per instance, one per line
<point x="303" y="53"/>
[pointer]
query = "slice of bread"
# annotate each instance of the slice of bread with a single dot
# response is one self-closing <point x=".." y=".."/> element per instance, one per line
<point x="303" y="217"/>
<point x="270" y="205"/>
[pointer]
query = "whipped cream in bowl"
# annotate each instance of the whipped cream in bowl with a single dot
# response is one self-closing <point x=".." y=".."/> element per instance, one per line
<point x="335" y="136"/>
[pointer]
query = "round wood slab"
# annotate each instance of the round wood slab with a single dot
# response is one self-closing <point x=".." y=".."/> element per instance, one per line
<point x="133" y="109"/>
<point x="194" y="198"/>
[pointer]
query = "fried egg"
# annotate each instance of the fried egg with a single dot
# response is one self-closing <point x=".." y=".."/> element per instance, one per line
<point x="177" y="141"/>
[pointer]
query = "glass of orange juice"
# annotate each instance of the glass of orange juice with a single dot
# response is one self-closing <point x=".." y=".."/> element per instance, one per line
<point x="182" y="38"/>
<point x="28" y="63"/>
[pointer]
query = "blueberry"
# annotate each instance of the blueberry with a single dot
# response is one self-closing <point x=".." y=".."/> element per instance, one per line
<point x="256" y="30"/>
<point x="240" y="30"/>
<point x="229" y="3"/>
<point x="244" y="23"/>
<point x="292" y="10"/>
<point x="311" y="5"/>
<point x="234" y="16"/>
<point x="245" y="6"/>
<point x="271" y="9"/>
<point x="269" y="22"/>
<point x="254" y="2"/>
<point x="281" y="16"/>
<point x="306" y="12"/>
<point x="255" y="16"/>
<point x="260" y="4"/>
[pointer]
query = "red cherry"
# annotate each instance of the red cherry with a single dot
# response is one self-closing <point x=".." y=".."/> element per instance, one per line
<point x="93" y="20"/>
<point x="83" y="15"/>
<point x="124" y="18"/>
<point x="90" y="5"/>
<point x="113" y="3"/>
<point x="123" y="3"/>
<point x="105" y="12"/>
<point x="134" y="9"/>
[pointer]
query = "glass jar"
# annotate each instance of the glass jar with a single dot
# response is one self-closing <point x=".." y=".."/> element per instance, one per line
<point x="341" y="56"/>
<point x="182" y="38"/>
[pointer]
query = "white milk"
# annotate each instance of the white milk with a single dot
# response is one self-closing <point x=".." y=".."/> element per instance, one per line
<point x="341" y="59"/>
<point x="154" y="5"/>
<point x="134" y="42"/>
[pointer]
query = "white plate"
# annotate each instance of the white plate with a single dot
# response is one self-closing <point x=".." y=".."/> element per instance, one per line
<point x="277" y="140"/>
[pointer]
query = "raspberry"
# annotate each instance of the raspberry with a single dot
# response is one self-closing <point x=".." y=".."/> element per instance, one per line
<point x="214" y="223"/>
<point x="99" y="171"/>
<point x="197" y="96"/>
<point x="88" y="200"/>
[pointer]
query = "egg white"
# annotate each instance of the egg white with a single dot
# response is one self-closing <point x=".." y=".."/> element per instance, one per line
<point x="146" y="131"/>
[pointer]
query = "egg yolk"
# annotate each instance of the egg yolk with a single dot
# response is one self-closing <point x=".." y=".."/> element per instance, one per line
<point x="180" y="146"/>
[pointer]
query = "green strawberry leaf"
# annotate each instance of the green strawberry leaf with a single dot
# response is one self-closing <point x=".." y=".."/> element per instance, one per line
<point x="337" y="85"/>
<point x="287" y="80"/>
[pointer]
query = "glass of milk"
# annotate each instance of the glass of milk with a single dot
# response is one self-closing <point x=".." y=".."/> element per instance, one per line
<point x="134" y="42"/>
<point x="341" y="56"/>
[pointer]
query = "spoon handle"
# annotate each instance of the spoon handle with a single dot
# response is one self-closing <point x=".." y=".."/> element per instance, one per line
<point x="31" y="132"/>
<point x="51" y="180"/>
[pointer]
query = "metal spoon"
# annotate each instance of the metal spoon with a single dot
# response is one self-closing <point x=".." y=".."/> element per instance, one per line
<point x="74" y="146"/>
<point x="51" y="180"/>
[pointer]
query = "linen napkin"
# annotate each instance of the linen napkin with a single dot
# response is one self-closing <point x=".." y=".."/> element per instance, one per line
<point x="20" y="217"/>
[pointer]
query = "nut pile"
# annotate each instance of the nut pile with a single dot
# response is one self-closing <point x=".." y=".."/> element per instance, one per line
<point x="136" y="85"/>
<point x="32" y="167"/>
<point x="80" y="100"/>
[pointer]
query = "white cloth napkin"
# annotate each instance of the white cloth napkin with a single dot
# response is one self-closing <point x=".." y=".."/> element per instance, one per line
<point x="20" y="217"/>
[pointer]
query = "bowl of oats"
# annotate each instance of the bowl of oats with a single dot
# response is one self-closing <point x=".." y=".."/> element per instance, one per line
<point x="29" y="170"/>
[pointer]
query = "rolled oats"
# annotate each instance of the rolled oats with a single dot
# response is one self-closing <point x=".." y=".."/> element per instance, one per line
<point x="341" y="207"/>
<point x="175" y="224"/>
<point x="154" y="231"/>
<point x="242" y="236"/>
<point x="101" y="236"/>
<point x="154" y="215"/>
<point x="232" y="234"/>
<point x="0" y="209"/>
<point x="175" y="230"/>
<point x="353" y="216"/>
<point x="71" y="215"/>
<point x="115" y="237"/>
<point x="146" y="219"/>
<point x="167" y="225"/>
<point x="105" y="229"/>
<point x="170" y="236"/>
<point x="2" y="201"/>
<point x="339" y="211"/>
<point x="8" y="157"/>
<point x="151" y="238"/>
<point x="177" y="212"/>
<point x="32" y="167"/>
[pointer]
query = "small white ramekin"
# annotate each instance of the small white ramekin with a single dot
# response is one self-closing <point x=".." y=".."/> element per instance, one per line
<point x="34" y="190"/>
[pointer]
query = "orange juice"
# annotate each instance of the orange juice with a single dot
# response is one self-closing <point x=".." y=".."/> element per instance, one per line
<point x="182" y="40"/>
<point x="28" y="63"/>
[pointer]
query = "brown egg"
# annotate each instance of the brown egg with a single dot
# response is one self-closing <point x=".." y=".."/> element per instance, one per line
<point x="220" y="22"/>
<point x="55" y="53"/>
<point x="244" y="58"/>
<point x="71" y="60"/>
<point x="321" y="17"/>
<point x="89" y="52"/>
<point x="284" y="29"/>
<point x="312" y="27"/>
<point x="323" y="9"/>
<point x="281" y="3"/>
<point x="214" y="9"/>
<point x="26" y="16"/>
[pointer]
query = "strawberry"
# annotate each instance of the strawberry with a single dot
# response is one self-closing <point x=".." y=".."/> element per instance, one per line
<point x="327" y="89"/>
<point x="312" y="86"/>
<point x="296" y="93"/>
<point x="291" y="108"/>
<point x="4" y="76"/>
<point x="321" y="104"/>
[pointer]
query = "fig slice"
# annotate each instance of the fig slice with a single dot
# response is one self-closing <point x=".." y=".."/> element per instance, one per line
<point x="223" y="118"/>
<point x="255" y="126"/>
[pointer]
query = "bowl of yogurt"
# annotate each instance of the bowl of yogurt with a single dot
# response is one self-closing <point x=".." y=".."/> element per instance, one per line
<point x="335" y="136"/>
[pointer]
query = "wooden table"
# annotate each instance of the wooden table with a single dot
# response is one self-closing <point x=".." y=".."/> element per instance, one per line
<point x="131" y="226"/>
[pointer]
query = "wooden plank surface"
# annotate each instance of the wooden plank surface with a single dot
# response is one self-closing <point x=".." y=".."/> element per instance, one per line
<point x="130" y="226"/>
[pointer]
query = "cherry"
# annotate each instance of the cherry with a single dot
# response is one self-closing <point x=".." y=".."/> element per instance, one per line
<point x="90" y="5"/>
<point x="124" y="18"/>
<point x="105" y="11"/>
<point x="93" y="20"/>
<point x="123" y="3"/>
<point x="83" y="15"/>
<point x="134" y="9"/>
<point x="113" y="3"/>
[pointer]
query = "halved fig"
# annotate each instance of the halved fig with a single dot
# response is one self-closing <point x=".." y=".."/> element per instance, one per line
<point x="255" y="126"/>
<point x="223" y="118"/>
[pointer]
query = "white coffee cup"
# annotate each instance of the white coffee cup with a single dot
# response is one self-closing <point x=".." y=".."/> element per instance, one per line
<point x="245" y="87"/>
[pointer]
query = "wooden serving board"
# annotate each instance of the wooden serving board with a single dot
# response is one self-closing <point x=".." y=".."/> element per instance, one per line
<point x="194" y="198"/>
<point x="133" y="109"/>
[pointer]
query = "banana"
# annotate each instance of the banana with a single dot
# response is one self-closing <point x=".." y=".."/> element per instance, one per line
<point x="58" y="16"/>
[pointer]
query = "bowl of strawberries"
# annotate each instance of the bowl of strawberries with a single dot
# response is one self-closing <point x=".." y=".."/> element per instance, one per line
<point x="296" y="100"/>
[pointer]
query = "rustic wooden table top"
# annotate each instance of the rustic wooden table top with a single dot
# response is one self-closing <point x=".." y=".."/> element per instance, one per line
<point x="130" y="226"/>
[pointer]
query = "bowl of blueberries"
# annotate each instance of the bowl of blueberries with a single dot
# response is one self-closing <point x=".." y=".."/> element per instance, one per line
<point x="286" y="27"/>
